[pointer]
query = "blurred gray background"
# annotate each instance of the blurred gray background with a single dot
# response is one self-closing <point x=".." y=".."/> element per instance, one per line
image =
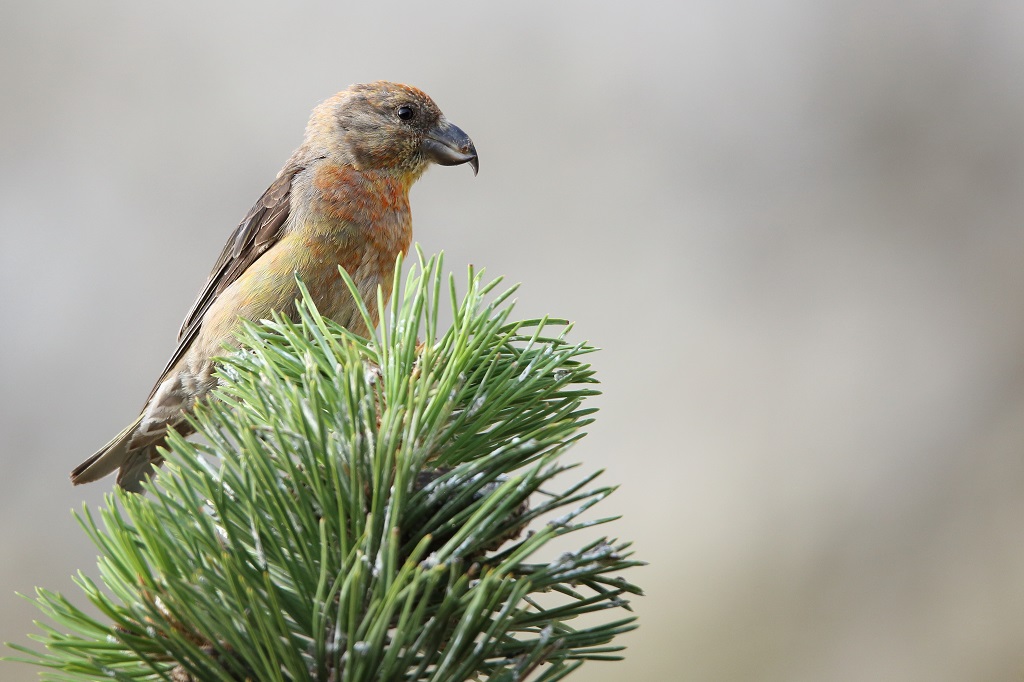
<point x="794" y="228"/>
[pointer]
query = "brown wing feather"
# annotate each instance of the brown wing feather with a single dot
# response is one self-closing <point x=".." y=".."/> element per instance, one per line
<point x="258" y="231"/>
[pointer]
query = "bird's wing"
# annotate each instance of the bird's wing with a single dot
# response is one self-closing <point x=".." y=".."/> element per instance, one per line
<point x="258" y="231"/>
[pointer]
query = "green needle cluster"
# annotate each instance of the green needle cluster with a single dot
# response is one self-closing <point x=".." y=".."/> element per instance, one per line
<point x="357" y="509"/>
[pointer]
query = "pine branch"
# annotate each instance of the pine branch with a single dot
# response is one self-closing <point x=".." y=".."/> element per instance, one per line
<point x="357" y="509"/>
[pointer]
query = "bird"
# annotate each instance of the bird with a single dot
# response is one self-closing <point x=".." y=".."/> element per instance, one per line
<point x="342" y="199"/>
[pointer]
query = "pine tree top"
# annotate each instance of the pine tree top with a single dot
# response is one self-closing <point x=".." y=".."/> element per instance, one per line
<point x="356" y="511"/>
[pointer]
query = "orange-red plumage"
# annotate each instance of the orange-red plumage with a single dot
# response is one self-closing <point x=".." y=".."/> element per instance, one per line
<point x="342" y="199"/>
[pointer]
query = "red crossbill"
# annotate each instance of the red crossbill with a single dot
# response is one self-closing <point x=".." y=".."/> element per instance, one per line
<point x="341" y="199"/>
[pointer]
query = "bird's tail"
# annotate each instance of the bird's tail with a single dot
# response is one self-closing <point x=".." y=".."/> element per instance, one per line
<point x="134" y="464"/>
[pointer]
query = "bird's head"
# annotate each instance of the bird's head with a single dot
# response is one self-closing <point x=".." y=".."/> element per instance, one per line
<point x="389" y="127"/>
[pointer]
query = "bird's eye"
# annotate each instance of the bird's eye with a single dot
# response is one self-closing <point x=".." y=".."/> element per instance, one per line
<point x="406" y="113"/>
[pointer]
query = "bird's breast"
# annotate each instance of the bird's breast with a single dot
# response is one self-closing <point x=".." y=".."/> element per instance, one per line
<point x="361" y="221"/>
<point x="357" y="220"/>
<point x="355" y="197"/>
